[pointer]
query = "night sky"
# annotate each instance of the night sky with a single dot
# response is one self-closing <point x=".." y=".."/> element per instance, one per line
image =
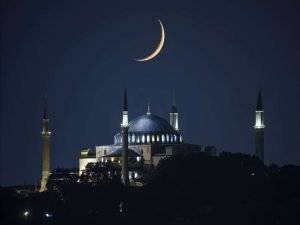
<point x="216" y="57"/>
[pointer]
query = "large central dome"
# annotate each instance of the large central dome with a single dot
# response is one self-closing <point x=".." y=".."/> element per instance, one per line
<point x="149" y="128"/>
<point x="150" y="123"/>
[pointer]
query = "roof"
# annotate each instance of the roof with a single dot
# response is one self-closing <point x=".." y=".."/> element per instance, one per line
<point x="118" y="153"/>
<point x="150" y="123"/>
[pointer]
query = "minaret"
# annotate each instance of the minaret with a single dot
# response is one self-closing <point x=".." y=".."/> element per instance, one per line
<point x="124" y="130"/>
<point x="259" y="128"/>
<point x="46" y="135"/>
<point x="174" y="116"/>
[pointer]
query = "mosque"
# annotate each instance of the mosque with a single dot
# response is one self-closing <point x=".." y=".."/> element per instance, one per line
<point x="150" y="138"/>
<point x="142" y="143"/>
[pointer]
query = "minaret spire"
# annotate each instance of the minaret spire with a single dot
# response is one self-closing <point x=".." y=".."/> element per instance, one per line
<point x="45" y="116"/>
<point x="125" y="110"/>
<point x="259" y="128"/>
<point x="259" y="105"/>
<point x="46" y="135"/>
<point x="124" y="131"/>
<point x="125" y="104"/>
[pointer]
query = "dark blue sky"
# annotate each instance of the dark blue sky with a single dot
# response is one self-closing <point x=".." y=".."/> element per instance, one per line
<point x="216" y="57"/>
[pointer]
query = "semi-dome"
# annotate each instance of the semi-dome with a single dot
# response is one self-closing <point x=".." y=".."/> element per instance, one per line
<point x="150" y="123"/>
<point x="150" y="128"/>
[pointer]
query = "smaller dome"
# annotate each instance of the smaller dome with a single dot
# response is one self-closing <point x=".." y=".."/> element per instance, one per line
<point x="118" y="153"/>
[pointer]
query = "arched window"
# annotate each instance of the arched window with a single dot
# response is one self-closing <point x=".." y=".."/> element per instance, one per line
<point x="163" y="138"/>
<point x="175" y="138"/>
<point x="171" y="138"/>
<point x="143" y="138"/>
<point x="138" y="139"/>
<point x="157" y="138"/>
<point x="167" y="137"/>
<point x="133" y="138"/>
<point x="181" y="138"/>
<point x="148" y="138"/>
<point x="153" y="138"/>
<point x="129" y="138"/>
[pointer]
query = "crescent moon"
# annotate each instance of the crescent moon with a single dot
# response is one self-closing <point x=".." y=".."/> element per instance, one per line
<point x="159" y="47"/>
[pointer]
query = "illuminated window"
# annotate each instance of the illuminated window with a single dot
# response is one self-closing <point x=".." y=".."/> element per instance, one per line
<point x="148" y="138"/>
<point x="136" y="174"/>
<point x="129" y="138"/>
<point x="138" y="139"/>
<point x="153" y="138"/>
<point x="133" y="138"/>
<point x="175" y="138"/>
<point x="138" y="158"/>
<point x="167" y="137"/>
<point x="171" y="138"/>
<point x="180" y="138"/>
<point x="163" y="138"/>
<point x="157" y="138"/>
<point x="143" y="138"/>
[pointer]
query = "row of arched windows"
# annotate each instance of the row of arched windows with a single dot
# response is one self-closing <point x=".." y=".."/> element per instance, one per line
<point x="149" y="138"/>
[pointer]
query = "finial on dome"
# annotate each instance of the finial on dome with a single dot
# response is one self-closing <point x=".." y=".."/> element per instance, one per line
<point x="148" y="112"/>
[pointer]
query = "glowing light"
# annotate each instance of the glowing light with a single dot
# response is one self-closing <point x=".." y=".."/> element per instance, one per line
<point x="26" y="213"/>
<point x="125" y="119"/>
<point x="48" y="215"/>
<point x="259" y="120"/>
<point x="121" y="205"/>
<point x="148" y="138"/>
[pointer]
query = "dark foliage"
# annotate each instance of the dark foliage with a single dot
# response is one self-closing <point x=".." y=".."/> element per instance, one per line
<point x="184" y="190"/>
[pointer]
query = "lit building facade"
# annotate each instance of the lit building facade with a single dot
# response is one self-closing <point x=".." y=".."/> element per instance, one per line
<point x="149" y="138"/>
